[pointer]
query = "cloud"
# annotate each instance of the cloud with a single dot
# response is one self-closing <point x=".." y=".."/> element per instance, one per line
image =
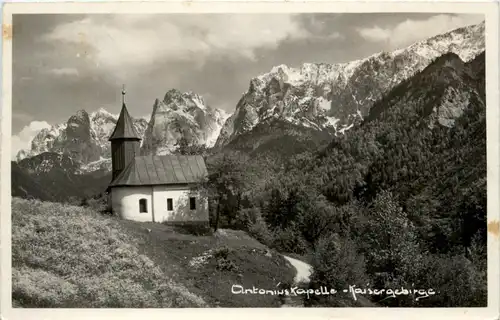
<point x="375" y="34"/>
<point x="119" y="42"/>
<point x="410" y="31"/>
<point x="64" y="72"/>
<point x="22" y="140"/>
<point x="334" y="36"/>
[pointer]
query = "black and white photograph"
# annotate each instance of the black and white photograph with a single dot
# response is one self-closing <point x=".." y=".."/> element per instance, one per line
<point x="251" y="159"/>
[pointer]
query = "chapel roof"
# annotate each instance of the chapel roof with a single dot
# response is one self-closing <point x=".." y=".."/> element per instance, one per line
<point x="124" y="128"/>
<point x="157" y="170"/>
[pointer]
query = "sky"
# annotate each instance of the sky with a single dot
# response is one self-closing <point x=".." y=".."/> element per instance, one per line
<point x="64" y="63"/>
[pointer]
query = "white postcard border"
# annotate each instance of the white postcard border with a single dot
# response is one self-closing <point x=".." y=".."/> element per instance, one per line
<point x="489" y="9"/>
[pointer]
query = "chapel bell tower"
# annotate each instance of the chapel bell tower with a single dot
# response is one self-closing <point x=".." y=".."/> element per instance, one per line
<point x="125" y="142"/>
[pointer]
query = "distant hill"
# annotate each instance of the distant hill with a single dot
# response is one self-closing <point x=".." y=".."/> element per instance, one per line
<point x="26" y="186"/>
<point x="55" y="177"/>
<point x="279" y="139"/>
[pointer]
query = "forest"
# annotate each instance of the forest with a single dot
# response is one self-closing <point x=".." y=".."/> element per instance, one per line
<point x="399" y="201"/>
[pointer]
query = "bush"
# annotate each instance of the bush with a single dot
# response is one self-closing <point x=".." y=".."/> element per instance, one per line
<point x="261" y="232"/>
<point x="222" y="252"/>
<point x="98" y="203"/>
<point x="457" y="280"/>
<point x="246" y="218"/>
<point x="289" y="240"/>
<point x="336" y="264"/>
<point x="251" y="221"/>
<point x="221" y="255"/>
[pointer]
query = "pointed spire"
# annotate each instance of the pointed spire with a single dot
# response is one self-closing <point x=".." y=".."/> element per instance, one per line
<point x="124" y="128"/>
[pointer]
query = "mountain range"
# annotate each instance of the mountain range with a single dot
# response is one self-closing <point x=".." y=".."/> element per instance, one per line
<point x="84" y="137"/>
<point x="337" y="96"/>
<point x="286" y="110"/>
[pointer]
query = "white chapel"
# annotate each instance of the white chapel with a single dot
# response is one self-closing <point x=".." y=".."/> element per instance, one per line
<point x="153" y="188"/>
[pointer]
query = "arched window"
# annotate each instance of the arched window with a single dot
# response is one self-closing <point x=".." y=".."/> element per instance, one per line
<point x="143" y="205"/>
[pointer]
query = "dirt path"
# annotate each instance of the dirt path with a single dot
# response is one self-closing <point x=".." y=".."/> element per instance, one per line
<point x="303" y="276"/>
<point x="303" y="270"/>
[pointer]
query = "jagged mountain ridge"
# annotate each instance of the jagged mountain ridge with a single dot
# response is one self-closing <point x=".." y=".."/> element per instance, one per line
<point x="337" y="96"/>
<point x="181" y="115"/>
<point x="83" y="136"/>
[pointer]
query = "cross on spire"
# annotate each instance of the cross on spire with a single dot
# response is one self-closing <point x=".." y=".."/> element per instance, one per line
<point x="123" y="94"/>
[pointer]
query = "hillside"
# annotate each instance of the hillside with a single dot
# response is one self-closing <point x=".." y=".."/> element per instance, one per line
<point x="67" y="256"/>
<point x="279" y="139"/>
<point x="25" y="186"/>
<point x="285" y="112"/>
<point x="55" y="177"/>
<point x="411" y="182"/>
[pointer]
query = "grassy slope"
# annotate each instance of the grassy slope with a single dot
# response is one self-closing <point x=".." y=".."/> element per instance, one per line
<point x="174" y="251"/>
<point x="66" y="256"/>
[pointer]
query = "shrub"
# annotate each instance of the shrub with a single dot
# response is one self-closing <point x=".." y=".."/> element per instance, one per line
<point x="224" y="263"/>
<point x="246" y="218"/>
<point x="261" y="232"/>
<point x="390" y="240"/>
<point x="222" y="252"/>
<point x="457" y="280"/>
<point x="251" y="220"/>
<point x="289" y="240"/>
<point x="336" y="264"/>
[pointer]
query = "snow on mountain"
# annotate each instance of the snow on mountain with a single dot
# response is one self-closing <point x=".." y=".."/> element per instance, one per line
<point x="336" y="96"/>
<point x="315" y="95"/>
<point x="103" y="124"/>
<point x="101" y="164"/>
<point x="42" y="142"/>
<point x="83" y="136"/>
<point x="48" y="161"/>
<point x="181" y="114"/>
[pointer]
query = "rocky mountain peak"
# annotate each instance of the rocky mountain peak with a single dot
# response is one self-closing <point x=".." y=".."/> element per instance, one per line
<point x="336" y="96"/>
<point x="78" y="125"/>
<point x="102" y="113"/>
<point x="181" y="114"/>
<point x="175" y="99"/>
<point x="84" y="137"/>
